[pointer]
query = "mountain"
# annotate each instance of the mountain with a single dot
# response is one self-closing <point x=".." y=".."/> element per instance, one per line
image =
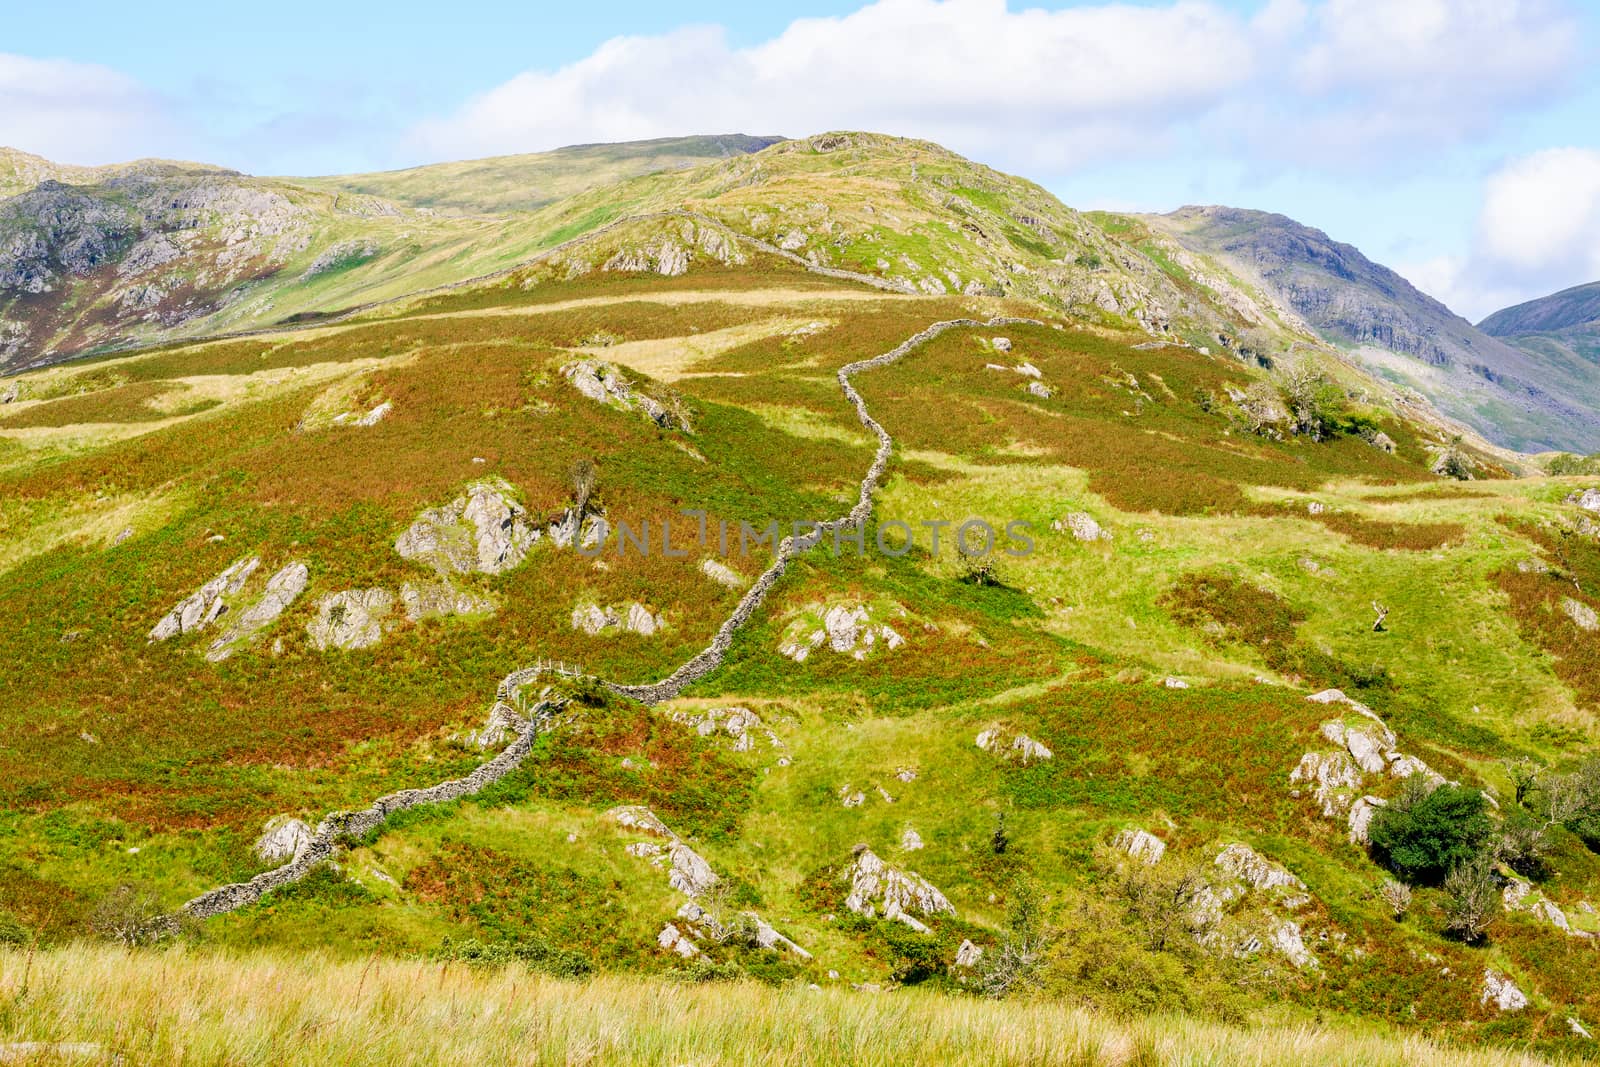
<point x="1562" y="329"/>
<point x="1569" y="309"/>
<point x="1519" y="398"/>
<point x="138" y="257"/>
<point x="505" y="184"/>
<point x="1153" y="660"/>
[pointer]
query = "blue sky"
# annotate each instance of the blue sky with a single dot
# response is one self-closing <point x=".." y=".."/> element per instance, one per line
<point x="1456" y="140"/>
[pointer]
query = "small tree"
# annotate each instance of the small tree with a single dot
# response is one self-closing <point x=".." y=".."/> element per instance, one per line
<point x="1426" y="832"/>
<point x="1453" y="461"/>
<point x="1000" y="840"/>
<point x="1471" y="898"/>
<point x="1014" y="964"/>
<point x="978" y="569"/>
<point x="1313" y="401"/>
<point x="1397" y="895"/>
<point x="128" y="916"/>
<point x="1524" y="775"/>
<point x="584" y="474"/>
<point x="1524" y="843"/>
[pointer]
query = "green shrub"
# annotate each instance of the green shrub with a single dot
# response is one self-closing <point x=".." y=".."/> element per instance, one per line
<point x="1426" y="833"/>
<point x="533" y="954"/>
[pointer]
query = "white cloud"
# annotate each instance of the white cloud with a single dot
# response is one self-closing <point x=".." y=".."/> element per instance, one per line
<point x="1341" y="82"/>
<point x="78" y="112"/>
<point x="1541" y="214"/>
<point x="1026" y="85"/>
<point x="1538" y="231"/>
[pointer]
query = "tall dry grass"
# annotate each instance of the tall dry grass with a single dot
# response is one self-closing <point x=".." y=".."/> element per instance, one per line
<point x="202" y="1007"/>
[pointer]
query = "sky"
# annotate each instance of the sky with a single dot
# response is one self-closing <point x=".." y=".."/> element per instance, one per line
<point x="1457" y="141"/>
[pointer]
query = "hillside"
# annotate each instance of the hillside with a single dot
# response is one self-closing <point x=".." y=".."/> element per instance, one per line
<point x="506" y="184"/>
<point x="1563" y="328"/>
<point x="1521" y="399"/>
<point x="239" y="599"/>
<point x="139" y="259"/>
<point x="511" y="635"/>
<point x="1566" y="310"/>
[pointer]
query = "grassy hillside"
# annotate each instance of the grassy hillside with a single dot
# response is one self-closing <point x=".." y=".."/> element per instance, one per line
<point x="1212" y="539"/>
<point x="505" y="184"/>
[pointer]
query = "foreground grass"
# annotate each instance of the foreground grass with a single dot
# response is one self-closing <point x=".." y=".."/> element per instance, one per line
<point x="203" y="1008"/>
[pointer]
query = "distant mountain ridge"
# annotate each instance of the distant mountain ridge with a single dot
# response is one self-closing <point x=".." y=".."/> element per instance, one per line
<point x="502" y="184"/>
<point x="1519" y="398"/>
<point x="1577" y="306"/>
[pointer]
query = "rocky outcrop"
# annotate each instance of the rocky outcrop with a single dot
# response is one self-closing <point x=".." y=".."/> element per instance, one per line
<point x="283" y="839"/>
<point x="282" y="590"/>
<point x="847" y="629"/>
<point x="1255" y="870"/>
<point x="351" y="619"/>
<point x="1588" y="499"/>
<point x="1360" y="819"/>
<point x="606" y="384"/>
<point x="632" y="617"/>
<point x="723" y="574"/>
<point x="1367" y="746"/>
<point x="439" y="599"/>
<point x="1501" y="992"/>
<point x="878" y="888"/>
<point x="1082" y="526"/>
<point x="673" y="940"/>
<point x="968" y="955"/>
<point x="741" y="724"/>
<point x="204" y="606"/>
<point x="1012" y="744"/>
<point x="1142" y="845"/>
<point x="485" y="531"/>
<point x="1581" y="614"/>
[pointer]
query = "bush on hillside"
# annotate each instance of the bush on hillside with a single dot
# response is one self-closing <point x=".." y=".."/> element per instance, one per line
<point x="1426" y="832"/>
<point x="1471" y="898"/>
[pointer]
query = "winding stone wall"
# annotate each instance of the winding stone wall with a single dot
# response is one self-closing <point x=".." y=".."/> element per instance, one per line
<point x="348" y="826"/>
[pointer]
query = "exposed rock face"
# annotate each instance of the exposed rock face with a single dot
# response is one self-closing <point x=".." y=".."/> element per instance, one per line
<point x="341" y="254"/>
<point x="1142" y="845"/>
<point x="1581" y="614"/>
<point x="632" y="617"/>
<point x="1588" y="500"/>
<point x="1255" y="870"/>
<point x="1519" y="895"/>
<point x="968" y="954"/>
<point x="1361" y="813"/>
<point x="606" y="384"/>
<point x="1082" y="526"/>
<point x="672" y="939"/>
<point x="741" y="724"/>
<point x="723" y="574"/>
<point x="1285" y="937"/>
<point x="350" y="619"/>
<point x="201" y="608"/>
<point x="485" y="531"/>
<point x="1002" y="741"/>
<point x="283" y="588"/>
<point x="848" y="629"/>
<point x="282" y="840"/>
<point x="1368" y="747"/>
<point x="876" y="886"/>
<point x="640" y="818"/>
<point x="427" y="600"/>
<point x="1502" y="992"/>
<point x="1351" y="300"/>
<point x="910" y="841"/>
